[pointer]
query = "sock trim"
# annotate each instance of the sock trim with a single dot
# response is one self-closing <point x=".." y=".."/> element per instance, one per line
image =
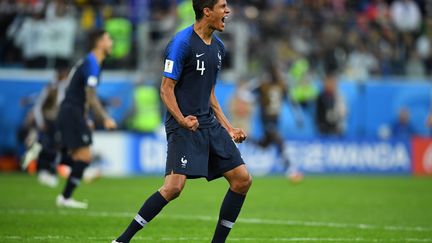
<point x="75" y="181"/>
<point x="140" y="220"/>
<point x="239" y="195"/>
<point x="226" y="223"/>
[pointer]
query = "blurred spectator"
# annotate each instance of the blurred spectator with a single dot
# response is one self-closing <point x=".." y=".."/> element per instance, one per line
<point x="415" y="67"/>
<point x="406" y="15"/>
<point x="163" y="16"/>
<point x="361" y="63"/>
<point x="139" y="11"/>
<point x="145" y="114"/>
<point x="331" y="109"/>
<point x="302" y="90"/>
<point x="378" y="11"/>
<point x="88" y="18"/>
<point x="63" y="29"/>
<point x="402" y="127"/>
<point x="162" y="24"/>
<point x="120" y="30"/>
<point x="186" y="14"/>
<point x="33" y="37"/>
<point x="424" y="45"/>
<point x="9" y="53"/>
<point x="327" y="33"/>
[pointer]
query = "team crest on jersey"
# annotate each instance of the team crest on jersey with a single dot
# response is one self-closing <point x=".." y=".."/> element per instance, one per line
<point x="184" y="162"/>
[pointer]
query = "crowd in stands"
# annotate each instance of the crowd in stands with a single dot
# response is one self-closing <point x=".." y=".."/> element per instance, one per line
<point x="357" y="38"/>
<point x="305" y="40"/>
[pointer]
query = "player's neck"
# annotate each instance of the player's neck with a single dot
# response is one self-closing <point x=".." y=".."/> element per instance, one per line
<point x="100" y="55"/>
<point x="204" y="31"/>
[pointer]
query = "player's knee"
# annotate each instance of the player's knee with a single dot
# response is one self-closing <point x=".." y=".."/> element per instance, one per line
<point x="242" y="184"/>
<point x="82" y="154"/>
<point x="83" y="158"/>
<point x="171" y="192"/>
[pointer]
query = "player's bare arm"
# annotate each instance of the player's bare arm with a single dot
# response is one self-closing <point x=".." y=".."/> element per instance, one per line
<point x="98" y="109"/>
<point x="168" y="97"/>
<point x="237" y="134"/>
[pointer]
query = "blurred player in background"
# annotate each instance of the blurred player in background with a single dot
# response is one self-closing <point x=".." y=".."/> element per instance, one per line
<point x="271" y="94"/>
<point x="45" y="114"/>
<point x="42" y="135"/>
<point x="200" y="138"/>
<point x="72" y="120"/>
<point x="331" y="109"/>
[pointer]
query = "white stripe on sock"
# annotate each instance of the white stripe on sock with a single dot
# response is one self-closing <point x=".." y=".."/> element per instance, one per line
<point x="140" y="220"/>
<point x="227" y="223"/>
<point x="75" y="181"/>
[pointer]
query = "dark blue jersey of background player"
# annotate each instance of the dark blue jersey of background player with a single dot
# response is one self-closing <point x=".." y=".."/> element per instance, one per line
<point x="195" y="66"/>
<point x="85" y="73"/>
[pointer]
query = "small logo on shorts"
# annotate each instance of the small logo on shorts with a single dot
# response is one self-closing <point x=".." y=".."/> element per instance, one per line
<point x="183" y="162"/>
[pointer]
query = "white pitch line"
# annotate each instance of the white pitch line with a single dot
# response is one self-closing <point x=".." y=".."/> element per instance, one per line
<point x="205" y="239"/>
<point x="305" y="223"/>
<point x="240" y="220"/>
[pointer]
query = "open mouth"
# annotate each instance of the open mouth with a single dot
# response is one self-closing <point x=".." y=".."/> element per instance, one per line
<point x="223" y="19"/>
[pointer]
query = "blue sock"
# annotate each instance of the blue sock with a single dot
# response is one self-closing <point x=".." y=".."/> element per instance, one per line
<point x="152" y="206"/>
<point x="74" y="177"/>
<point x="65" y="158"/>
<point x="229" y="212"/>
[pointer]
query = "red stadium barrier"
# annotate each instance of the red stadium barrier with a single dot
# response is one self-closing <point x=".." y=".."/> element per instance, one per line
<point x="422" y="156"/>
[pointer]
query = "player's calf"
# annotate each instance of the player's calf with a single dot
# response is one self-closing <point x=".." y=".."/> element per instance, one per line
<point x="151" y="207"/>
<point x="240" y="182"/>
<point x="228" y="214"/>
<point x="171" y="189"/>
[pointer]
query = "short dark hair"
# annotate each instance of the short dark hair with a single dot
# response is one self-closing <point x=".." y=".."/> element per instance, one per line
<point x="199" y="5"/>
<point x="94" y="37"/>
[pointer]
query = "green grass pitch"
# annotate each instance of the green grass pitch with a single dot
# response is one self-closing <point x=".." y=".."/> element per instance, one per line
<point x="319" y="209"/>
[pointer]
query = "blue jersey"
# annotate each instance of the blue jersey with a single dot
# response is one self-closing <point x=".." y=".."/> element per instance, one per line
<point x="86" y="72"/>
<point x="195" y="66"/>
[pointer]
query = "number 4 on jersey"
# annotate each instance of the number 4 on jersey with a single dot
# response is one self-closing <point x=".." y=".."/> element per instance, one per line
<point x="200" y="67"/>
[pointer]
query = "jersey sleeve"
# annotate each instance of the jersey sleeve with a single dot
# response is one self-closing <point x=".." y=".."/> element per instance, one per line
<point x="91" y="73"/>
<point x="175" y="58"/>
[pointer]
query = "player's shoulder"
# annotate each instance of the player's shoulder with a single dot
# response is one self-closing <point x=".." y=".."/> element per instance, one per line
<point x="84" y="62"/>
<point x="180" y="44"/>
<point x="90" y="59"/>
<point x="90" y="63"/>
<point x="183" y="36"/>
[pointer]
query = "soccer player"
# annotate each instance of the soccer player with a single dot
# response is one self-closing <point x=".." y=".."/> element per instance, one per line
<point x="200" y="138"/>
<point x="72" y="119"/>
<point x="45" y="113"/>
